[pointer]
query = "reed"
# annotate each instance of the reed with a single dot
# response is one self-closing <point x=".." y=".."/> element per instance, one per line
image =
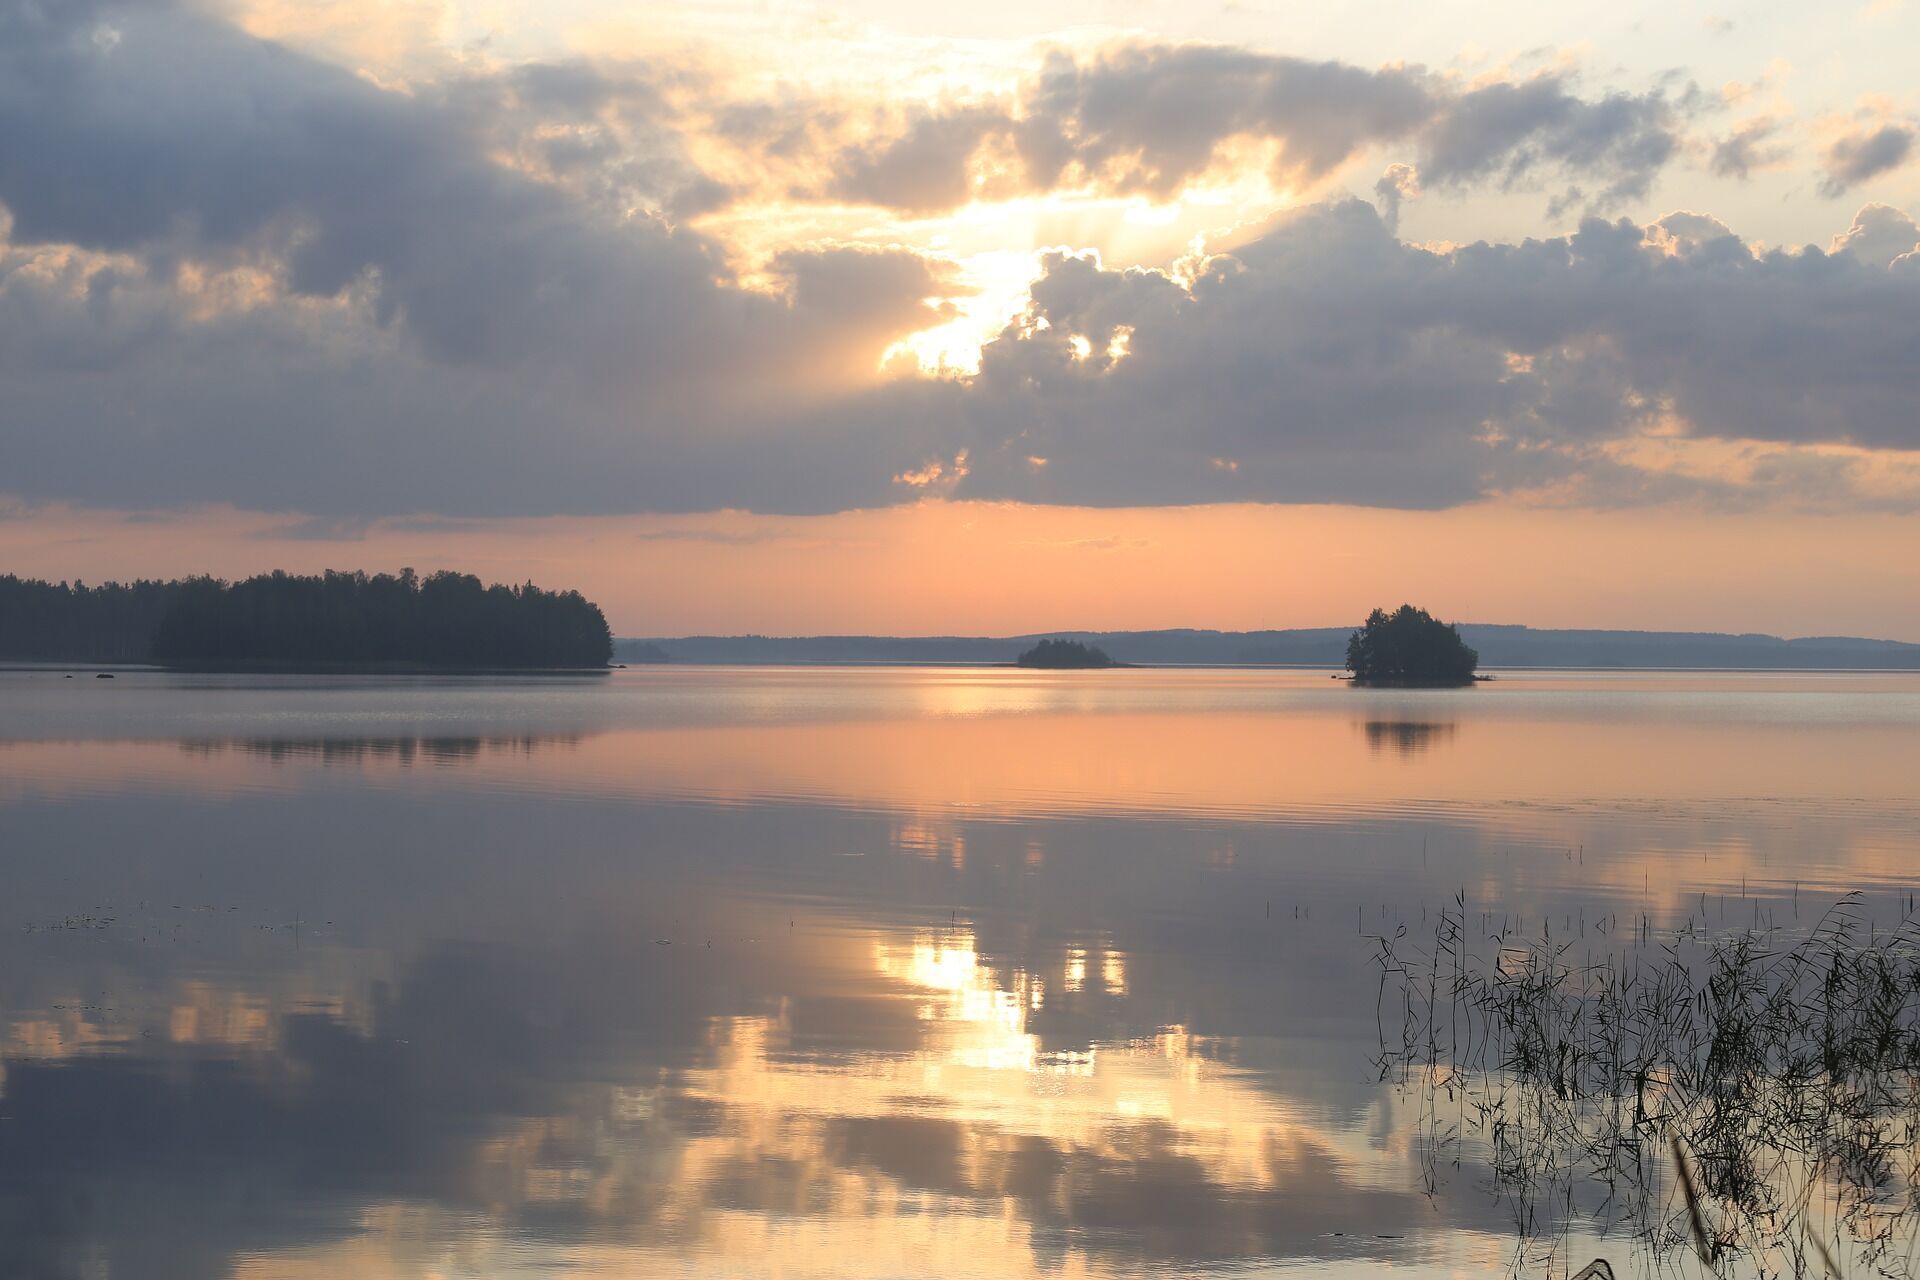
<point x="1750" y="1095"/>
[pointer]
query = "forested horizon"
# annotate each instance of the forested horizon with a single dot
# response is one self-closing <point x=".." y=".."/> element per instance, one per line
<point x="336" y="618"/>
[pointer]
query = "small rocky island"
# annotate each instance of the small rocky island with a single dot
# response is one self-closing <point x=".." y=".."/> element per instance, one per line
<point x="1060" y="655"/>
<point x="1410" y="649"/>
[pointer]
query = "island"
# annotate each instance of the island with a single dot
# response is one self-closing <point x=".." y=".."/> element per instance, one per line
<point x="1060" y="655"/>
<point x="1410" y="649"/>
<point x="333" y="621"/>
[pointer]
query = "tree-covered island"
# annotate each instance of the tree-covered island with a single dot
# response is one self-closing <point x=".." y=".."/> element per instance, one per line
<point x="1058" y="655"/>
<point x="1410" y="648"/>
<point x="325" y="622"/>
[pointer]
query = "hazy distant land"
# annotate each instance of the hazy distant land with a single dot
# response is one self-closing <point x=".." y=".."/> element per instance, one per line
<point x="1498" y="645"/>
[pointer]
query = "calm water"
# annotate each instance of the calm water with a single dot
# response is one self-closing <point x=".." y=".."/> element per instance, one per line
<point x="829" y="972"/>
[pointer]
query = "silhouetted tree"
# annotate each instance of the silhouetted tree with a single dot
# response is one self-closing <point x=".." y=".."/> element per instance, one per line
<point x="1409" y="647"/>
<point x="1058" y="654"/>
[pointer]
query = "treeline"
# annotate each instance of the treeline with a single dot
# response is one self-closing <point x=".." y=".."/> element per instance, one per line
<point x="286" y="620"/>
<point x="58" y="622"/>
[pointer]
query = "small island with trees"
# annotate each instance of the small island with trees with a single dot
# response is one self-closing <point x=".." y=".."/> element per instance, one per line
<point x="1410" y="649"/>
<point x="1062" y="655"/>
<point x="350" y="622"/>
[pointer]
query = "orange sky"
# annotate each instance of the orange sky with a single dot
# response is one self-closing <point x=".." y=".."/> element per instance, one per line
<point x="987" y="568"/>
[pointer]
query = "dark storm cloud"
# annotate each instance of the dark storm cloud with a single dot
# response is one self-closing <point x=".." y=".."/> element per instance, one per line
<point x="234" y="274"/>
<point x="1151" y="119"/>
<point x="1864" y="154"/>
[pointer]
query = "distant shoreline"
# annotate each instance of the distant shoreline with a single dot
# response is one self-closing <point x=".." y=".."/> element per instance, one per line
<point x="1499" y="646"/>
<point x="986" y="664"/>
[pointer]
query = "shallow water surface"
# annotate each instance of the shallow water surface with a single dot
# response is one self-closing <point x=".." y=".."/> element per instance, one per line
<point x="835" y="972"/>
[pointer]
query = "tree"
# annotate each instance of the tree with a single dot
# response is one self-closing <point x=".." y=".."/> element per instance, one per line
<point x="1409" y="647"/>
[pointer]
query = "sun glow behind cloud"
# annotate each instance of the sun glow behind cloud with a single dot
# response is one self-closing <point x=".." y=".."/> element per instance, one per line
<point x="995" y="288"/>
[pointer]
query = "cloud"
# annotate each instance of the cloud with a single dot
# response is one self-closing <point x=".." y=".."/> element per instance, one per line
<point x="717" y="537"/>
<point x="245" y="277"/>
<point x="182" y="137"/>
<point x="1333" y="362"/>
<point x="419" y="317"/>
<point x="1147" y="119"/>
<point x="926" y="168"/>
<point x="1750" y="146"/>
<point x="1861" y="154"/>
<point x="1399" y="184"/>
<point x="1513" y="130"/>
<point x="1879" y="235"/>
<point x="318" y="529"/>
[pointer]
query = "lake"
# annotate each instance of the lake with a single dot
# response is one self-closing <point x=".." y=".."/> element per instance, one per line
<point x="839" y="972"/>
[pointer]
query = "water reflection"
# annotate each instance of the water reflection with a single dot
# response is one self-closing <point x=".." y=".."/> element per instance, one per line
<point x="1409" y="737"/>
<point x="402" y="750"/>
<point x="1002" y="991"/>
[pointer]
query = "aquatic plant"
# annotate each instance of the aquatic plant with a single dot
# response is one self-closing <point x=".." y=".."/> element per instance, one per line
<point x="1770" y="1078"/>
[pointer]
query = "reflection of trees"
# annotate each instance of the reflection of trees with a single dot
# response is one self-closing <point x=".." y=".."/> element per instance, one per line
<point x="1745" y="1095"/>
<point x="1409" y="737"/>
<point x="402" y="749"/>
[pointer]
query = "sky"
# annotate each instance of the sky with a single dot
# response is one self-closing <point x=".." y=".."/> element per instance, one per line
<point x="1001" y="317"/>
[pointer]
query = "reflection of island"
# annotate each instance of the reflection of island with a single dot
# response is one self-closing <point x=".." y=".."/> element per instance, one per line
<point x="1061" y="655"/>
<point x="402" y="749"/>
<point x="1408" y="737"/>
